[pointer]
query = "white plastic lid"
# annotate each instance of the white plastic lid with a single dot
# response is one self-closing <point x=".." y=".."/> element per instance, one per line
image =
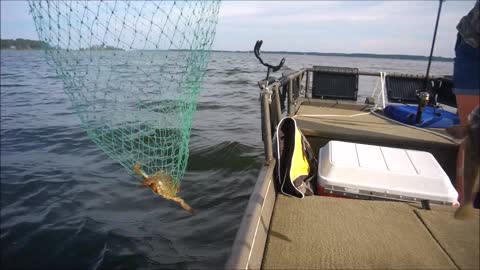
<point x="354" y="167"/>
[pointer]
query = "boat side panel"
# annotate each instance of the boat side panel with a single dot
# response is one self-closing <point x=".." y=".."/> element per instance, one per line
<point x="249" y="245"/>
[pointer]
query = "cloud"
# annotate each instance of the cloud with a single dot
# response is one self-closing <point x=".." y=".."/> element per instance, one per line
<point x="402" y="46"/>
<point x="333" y="26"/>
<point x="16" y="21"/>
<point x="334" y="17"/>
<point x="15" y="11"/>
<point x="345" y="26"/>
<point x="230" y="11"/>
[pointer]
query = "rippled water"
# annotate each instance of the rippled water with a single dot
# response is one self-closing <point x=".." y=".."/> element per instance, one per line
<point x="65" y="204"/>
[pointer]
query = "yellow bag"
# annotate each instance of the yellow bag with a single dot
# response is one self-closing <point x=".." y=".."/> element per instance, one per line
<point x="296" y="164"/>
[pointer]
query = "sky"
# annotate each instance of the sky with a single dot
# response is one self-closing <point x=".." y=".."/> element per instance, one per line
<point x="381" y="27"/>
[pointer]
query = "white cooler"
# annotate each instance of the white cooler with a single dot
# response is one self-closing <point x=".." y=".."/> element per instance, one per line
<point x="360" y="170"/>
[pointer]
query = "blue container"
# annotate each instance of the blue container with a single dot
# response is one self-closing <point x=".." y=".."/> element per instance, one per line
<point x="431" y="117"/>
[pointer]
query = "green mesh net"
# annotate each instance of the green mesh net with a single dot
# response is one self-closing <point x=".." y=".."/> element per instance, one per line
<point x="133" y="71"/>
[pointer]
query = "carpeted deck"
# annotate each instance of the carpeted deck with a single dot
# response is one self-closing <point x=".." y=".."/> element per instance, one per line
<point x="331" y="233"/>
<point x="459" y="239"/>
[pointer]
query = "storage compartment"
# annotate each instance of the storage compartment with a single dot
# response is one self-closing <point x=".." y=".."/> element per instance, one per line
<point x="335" y="83"/>
<point x="361" y="170"/>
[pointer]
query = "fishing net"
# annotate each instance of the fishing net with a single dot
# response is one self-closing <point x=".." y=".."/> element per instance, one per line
<point x="133" y="71"/>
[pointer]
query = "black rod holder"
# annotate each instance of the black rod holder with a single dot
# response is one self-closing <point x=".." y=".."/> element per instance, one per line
<point x="270" y="67"/>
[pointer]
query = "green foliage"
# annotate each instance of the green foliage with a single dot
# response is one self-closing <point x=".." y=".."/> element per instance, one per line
<point x="133" y="71"/>
<point x="101" y="48"/>
<point x="22" y="44"/>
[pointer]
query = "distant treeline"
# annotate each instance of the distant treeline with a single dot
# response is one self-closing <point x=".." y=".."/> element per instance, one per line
<point x="22" y="44"/>
<point x="364" y="55"/>
<point x="27" y="44"/>
<point x="101" y="48"/>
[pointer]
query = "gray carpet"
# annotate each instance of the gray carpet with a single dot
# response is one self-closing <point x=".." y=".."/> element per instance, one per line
<point x="331" y="233"/>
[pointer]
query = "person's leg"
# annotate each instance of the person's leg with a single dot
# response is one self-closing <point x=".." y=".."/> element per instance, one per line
<point x="466" y="104"/>
<point x="466" y="84"/>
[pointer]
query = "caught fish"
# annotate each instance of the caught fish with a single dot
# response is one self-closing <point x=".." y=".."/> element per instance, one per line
<point x="162" y="184"/>
<point x="471" y="168"/>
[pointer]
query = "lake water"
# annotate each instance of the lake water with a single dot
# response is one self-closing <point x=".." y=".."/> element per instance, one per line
<point x="65" y="204"/>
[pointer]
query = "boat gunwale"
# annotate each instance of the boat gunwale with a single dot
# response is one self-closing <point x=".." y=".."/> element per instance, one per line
<point x="251" y="238"/>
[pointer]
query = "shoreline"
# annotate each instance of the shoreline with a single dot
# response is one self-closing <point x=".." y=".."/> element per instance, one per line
<point x="352" y="55"/>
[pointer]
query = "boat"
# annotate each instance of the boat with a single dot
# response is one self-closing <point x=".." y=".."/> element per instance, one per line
<point x="352" y="228"/>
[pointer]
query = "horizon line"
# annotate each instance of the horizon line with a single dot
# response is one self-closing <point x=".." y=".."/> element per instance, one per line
<point x="356" y="54"/>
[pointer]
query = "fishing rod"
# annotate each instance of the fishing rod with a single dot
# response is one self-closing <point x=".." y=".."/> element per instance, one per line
<point x="424" y="96"/>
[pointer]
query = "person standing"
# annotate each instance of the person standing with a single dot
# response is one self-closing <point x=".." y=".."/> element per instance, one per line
<point x="466" y="76"/>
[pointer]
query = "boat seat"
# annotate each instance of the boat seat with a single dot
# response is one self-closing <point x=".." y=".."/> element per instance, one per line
<point x="335" y="83"/>
<point x="402" y="88"/>
<point x="324" y="233"/>
<point x="445" y="91"/>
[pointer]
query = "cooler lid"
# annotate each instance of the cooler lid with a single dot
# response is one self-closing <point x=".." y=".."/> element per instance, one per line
<point x="384" y="171"/>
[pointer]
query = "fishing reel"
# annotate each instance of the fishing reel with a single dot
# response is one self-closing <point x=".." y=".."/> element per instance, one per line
<point x="432" y="92"/>
<point x="423" y="97"/>
<point x="427" y="97"/>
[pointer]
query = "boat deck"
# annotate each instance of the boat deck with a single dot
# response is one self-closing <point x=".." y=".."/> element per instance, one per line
<point x="322" y="232"/>
<point x="325" y="233"/>
<point x="316" y="232"/>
